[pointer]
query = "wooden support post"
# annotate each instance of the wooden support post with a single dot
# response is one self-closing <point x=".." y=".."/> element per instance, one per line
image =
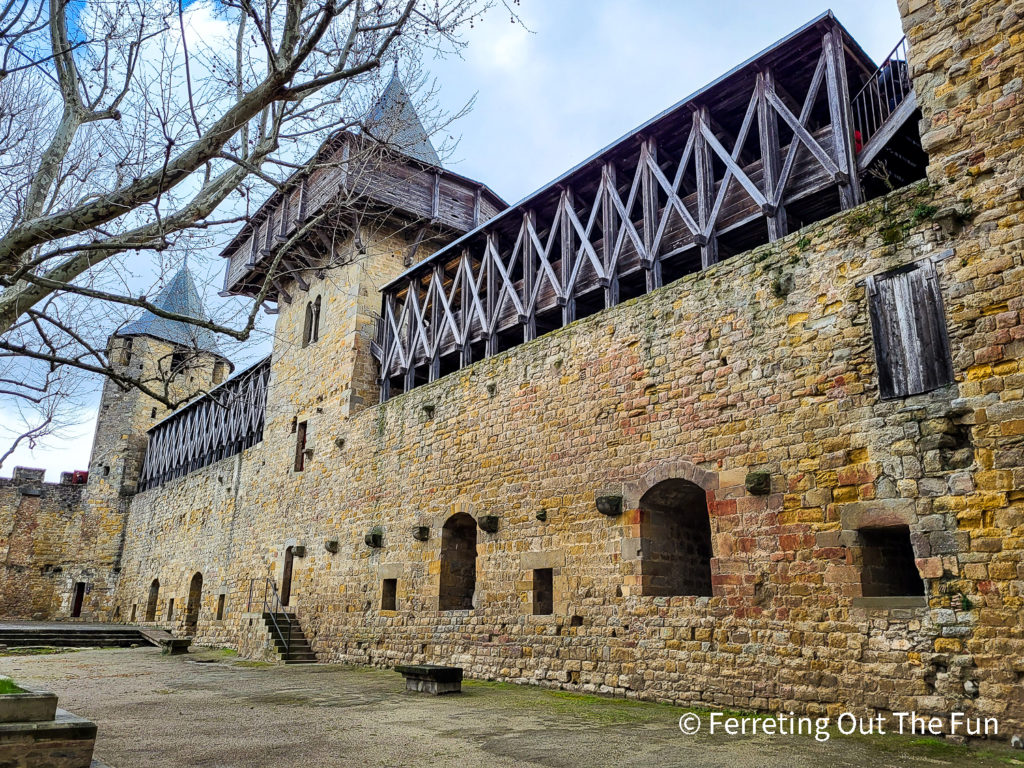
<point x="435" y="197"/>
<point x="705" y="191"/>
<point x="649" y="202"/>
<point x="303" y="199"/>
<point x="476" y="208"/>
<point x="841" y="113"/>
<point x="771" y="156"/>
<point x="566" y="241"/>
<point x="491" y="303"/>
<point x="609" y="234"/>
<point x="388" y="345"/>
<point x="434" y="332"/>
<point x="529" y="257"/>
<point x="466" y="309"/>
<point x="410" y="336"/>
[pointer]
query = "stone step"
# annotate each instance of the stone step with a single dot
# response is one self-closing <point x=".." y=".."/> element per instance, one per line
<point x="293" y="647"/>
<point x="304" y="659"/>
<point x="72" y="642"/>
<point x="14" y="634"/>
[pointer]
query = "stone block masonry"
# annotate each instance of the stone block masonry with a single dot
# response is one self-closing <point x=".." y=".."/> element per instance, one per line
<point x="705" y="381"/>
<point x="787" y="539"/>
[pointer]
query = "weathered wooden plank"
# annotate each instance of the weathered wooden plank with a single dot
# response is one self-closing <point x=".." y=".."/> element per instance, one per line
<point x="842" y="120"/>
<point x="705" y="192"/>
<point x="768" y="134"/>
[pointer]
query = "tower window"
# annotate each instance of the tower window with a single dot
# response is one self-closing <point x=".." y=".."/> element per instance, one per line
<point x="300" y="447"/>
<point x="170" y="609"/>
<point x="908" y="325"/>
<point x="543" y="592"/>
<point x="389" y="594"/>
<point x="220" y="606"/>
<point x="126" y="350"/>
<point x="311" y="323"/>
<point x="179" y="360"/>
<point x="307" y="325"/>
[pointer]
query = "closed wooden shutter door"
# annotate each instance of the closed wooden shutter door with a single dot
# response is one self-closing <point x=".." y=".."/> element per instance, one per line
<point x="908" y="324"/>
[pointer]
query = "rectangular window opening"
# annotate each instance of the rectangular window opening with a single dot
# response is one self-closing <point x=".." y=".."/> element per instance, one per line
<point x="220" y="607"/>
<point x="543" y="592"/>
<point x="170" y="609"/>
<point x="888" y="568"/>
<point x="300" y="446"/>
<point x="389" y="595"/>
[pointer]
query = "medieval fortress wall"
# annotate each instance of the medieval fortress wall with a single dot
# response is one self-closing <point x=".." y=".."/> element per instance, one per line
<point x="764" y="363"/>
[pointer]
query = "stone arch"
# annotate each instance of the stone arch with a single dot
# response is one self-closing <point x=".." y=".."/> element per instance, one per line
<point x="680" y="469"/>
<point x="457" y="587"/>
<point x="152" y="600"/>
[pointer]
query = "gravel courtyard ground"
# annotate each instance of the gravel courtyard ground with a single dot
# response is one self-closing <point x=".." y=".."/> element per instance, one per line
<point x="174" y="712"/>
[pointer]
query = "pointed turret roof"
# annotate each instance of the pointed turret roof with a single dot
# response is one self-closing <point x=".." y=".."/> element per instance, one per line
<point x="180" y="297"/>
<point x="394" y="121"/>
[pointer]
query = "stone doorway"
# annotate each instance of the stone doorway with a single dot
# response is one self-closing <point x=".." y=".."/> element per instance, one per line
<point x="195" y="600"/>
<point x="79" y="598"/>
<point x="151" y="603"/>
<point x="286" y="577"/>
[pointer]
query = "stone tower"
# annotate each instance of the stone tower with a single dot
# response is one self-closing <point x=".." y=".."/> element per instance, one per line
<point x="167" y="356"/>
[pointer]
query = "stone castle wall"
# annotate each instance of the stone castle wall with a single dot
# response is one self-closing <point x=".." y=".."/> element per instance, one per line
<point x="39" y="536"/>
<point x="762" y="363"/>
<point x="59" y="535"/>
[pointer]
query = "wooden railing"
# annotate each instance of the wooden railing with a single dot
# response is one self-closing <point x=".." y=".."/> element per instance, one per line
<point x="223" y="422"/>
<point x="722" y="172"/>
<point x="883" y="93"/>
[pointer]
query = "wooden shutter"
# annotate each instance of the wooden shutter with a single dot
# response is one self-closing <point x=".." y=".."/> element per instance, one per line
<point x="908" y="325"/>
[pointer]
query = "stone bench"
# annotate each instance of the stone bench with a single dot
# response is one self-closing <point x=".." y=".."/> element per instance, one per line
<point x="431" y="678"/>
<point x="175" y="646"/>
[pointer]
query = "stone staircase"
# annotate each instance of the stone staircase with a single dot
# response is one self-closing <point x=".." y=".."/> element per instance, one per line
<point x="290" y="644"/>
<point x="71" y="636"/>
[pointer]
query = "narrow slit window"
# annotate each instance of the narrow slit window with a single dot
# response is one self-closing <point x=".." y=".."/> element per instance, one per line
<point x="314" y="334"/>
<point x="220" y="607"/>
<point x="170" y="609"/>
<point x="389" y="595"/>
<point x="543" y="592"/>
<point x="908" y="326"/>
<point x="307" y="325"/>
<point x="300" y="447"/>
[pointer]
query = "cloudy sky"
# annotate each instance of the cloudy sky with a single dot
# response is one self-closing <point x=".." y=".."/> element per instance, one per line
<point x="583" y="73"/>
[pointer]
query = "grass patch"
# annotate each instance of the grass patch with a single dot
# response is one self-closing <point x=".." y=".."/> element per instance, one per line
<point x="7" y="686"/>
<point x="36" y="651"/>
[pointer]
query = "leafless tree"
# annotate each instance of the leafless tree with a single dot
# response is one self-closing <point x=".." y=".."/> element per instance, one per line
<point x="134" y="132"/>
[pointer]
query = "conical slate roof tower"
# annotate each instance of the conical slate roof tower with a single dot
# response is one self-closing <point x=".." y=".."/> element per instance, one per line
<point x="180" y="297"/>
<point x="393" y="120"/>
